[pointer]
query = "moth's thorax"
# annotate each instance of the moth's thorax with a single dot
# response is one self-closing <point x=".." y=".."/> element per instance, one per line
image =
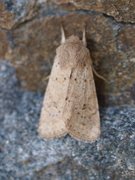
<point x="72" y="53"/>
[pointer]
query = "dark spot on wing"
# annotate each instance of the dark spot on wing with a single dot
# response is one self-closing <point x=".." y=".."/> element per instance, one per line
<point x="83" y="124"/>
<point x="84" y="107"/>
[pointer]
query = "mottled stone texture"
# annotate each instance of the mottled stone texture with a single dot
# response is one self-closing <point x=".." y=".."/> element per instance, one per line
<point x="25" y="156"/>
<point x="3" y="43"/>
<point x="30" y="34"/>
<point x="16" y="12"/>
<point x="121" y="10"/>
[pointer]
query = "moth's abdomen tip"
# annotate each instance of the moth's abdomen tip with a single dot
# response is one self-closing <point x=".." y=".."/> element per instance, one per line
<point x="84" y="135"/>
<point x="85" y="139"/>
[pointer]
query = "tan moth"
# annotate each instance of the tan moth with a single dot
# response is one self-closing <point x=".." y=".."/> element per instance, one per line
<point x="70" y="105"/>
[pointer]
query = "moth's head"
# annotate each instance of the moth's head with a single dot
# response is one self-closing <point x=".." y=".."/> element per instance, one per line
<point x="73" y="38"/>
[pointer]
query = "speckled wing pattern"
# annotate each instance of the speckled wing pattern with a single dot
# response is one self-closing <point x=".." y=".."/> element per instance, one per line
<point x="84" y="122"/>
<point x="52" y="121"/>
<point x="70" y="104"/>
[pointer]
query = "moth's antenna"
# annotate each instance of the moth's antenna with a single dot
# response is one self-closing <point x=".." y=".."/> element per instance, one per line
<point x="63" y="37"/>
<point x="84" y="36"/>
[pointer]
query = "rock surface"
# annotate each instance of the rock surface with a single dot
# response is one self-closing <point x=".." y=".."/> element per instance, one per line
<point x="3" y="43"/>
<point x="16" y="12"/>
<point x="120" y="10"/>
<point x="24" y="155"/>
<point x="30" y="34"/>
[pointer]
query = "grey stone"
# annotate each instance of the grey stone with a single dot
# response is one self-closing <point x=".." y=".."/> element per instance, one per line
<point x="17" y="12"/>
<point x="24" y="155"/>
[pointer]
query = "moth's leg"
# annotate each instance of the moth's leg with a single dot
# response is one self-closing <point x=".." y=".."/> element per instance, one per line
<point x="98" y="75"/>
<point x="85" y="44"/>
<point x="84" y="37"/>
<point x="63" y="37"/>
<point x="47" y="77"/>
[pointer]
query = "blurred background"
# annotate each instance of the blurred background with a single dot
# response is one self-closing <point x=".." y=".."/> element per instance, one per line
<point x="29" y="36"/>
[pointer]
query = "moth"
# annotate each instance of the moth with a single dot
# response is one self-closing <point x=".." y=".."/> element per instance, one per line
<point x="70" y="105"/>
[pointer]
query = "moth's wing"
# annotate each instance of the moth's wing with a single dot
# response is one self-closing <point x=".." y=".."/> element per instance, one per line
<point x="52" y="119"/>
<point x="84" y="123"/>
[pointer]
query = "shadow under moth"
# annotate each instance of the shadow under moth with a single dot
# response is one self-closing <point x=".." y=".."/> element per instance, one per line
<point x="70" y="105"/>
